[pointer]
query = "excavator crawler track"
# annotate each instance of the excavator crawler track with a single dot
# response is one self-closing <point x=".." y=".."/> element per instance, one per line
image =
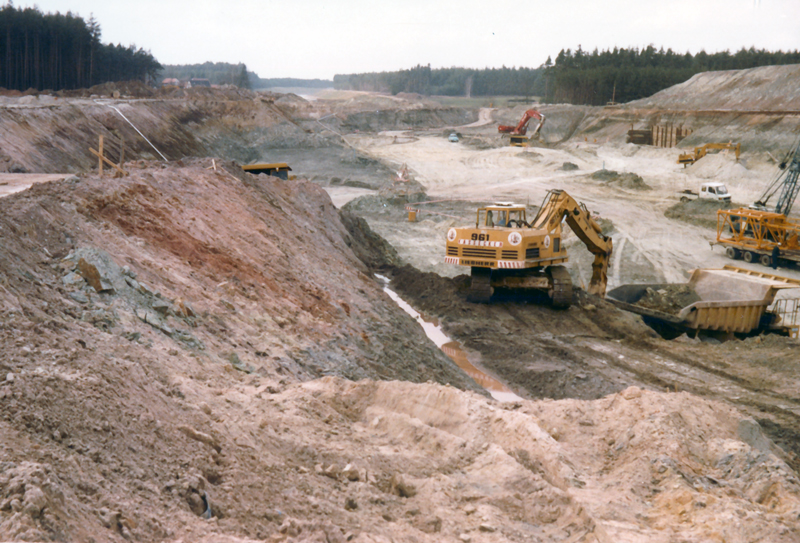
<point x="561" y="290"/>
<point x="481" y="290"/>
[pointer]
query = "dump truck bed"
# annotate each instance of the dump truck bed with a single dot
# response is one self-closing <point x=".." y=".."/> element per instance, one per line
<point x="727" y="300"/>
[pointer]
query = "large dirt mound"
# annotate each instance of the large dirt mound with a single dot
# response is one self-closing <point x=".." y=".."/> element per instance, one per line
<point x="625" y="180"/>
<point x="697" y="211"/>
<point x="120" y="297"/>
<point x="768" y="88"/>
<point x="721" y="165"/>
<point x="755" y="107"/>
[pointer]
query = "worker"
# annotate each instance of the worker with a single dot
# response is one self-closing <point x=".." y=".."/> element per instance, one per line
<point x="489" y="220"/>
<point x="776" y="253"/>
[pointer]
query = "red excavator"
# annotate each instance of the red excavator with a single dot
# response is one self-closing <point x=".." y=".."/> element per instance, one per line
<point x="518" y="133"/>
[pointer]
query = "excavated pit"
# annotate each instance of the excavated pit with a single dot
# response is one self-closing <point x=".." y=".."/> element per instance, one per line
<point x="194" y="341"/>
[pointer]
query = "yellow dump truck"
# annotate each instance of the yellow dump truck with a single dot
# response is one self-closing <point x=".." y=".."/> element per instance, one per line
<point x="714" y="301"/>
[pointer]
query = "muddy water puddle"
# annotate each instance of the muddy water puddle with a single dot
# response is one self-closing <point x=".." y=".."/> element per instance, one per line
<point x="453" y="349"/>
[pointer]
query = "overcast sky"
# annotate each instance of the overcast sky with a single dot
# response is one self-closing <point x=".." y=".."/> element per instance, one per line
<point x="320" y="38"/>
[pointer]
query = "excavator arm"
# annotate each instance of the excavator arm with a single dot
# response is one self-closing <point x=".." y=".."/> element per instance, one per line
<point x="522" y="127"/>
<point x="558" y="206"/>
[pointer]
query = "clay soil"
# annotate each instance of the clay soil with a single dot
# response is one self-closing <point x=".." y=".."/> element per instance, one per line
<point x="196" y="353"/>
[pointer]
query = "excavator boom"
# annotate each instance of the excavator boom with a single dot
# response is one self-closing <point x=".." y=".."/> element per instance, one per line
<point x="558" y="206"/>
<point x="522" y="126"/>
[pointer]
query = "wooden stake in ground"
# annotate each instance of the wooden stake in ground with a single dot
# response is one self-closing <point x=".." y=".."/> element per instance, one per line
<point x="100" y="155"/>
<point x="104" y="159"/>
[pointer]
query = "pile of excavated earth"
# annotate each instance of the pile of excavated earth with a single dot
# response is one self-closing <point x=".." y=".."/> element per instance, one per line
<point x="192" y="352"/>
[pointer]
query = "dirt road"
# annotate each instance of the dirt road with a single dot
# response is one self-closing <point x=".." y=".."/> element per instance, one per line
<point x="484" y="117"/>
<point x="17" y="182"/>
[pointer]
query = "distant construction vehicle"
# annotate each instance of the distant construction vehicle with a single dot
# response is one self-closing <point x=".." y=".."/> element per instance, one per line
<point x="503" y="250"/>
<point x="699" y="152"/>
<point x="713" y="190"/>
<point x="275" y="169"/>
<point x="762" y="233"/>
<point x="518" y="133"/>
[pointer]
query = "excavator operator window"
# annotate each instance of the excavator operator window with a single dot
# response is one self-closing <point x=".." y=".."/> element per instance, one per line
<point x="485" y="218"/>
<point x="502" y="218"/>
<point x="518" y="216"/>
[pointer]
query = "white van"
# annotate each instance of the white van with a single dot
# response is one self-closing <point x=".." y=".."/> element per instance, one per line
<point x="713" y="190"/>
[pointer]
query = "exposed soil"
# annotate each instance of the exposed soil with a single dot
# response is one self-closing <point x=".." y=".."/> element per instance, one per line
<point x="196" y="353"/>
<point x="625" y="180"/>
<point x="594" y="349"/>
<point x="700" y="212"/>
<point x="47" y="133"/>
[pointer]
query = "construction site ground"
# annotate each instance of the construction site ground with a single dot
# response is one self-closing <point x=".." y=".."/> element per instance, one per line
<point x="196" y="353"/>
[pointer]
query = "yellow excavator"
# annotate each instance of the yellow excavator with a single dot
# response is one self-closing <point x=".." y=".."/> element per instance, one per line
<point x="690" y="158"/>
<point x="504" y="250"/>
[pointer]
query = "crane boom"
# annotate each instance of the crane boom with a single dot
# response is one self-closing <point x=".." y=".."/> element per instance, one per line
<point x="786" y="182"/>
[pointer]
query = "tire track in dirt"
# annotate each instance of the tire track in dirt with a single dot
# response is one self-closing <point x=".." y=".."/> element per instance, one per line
<point x="672" y="371"/>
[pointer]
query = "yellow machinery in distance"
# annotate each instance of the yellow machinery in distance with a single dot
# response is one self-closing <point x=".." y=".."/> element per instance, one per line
<point x="275" y="169"/>
<point x="753" y="233"/>
<point x="504" y="250"/>
<point x="699" y="152"/>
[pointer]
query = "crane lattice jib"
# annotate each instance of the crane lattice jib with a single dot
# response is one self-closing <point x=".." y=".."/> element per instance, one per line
<point x="789" y="187"/>
<point x="786" y="182"/>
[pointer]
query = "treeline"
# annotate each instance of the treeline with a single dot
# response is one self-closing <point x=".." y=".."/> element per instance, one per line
<point x="218" y="73"/>
<point x="55" y="51"/>
<point x="578" y="77"/>
<point x="446" y="81"/>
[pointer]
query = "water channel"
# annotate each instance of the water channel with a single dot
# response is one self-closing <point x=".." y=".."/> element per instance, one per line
<point x="498" y="390"/>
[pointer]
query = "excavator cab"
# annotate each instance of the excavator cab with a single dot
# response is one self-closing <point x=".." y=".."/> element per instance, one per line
<point x="501" y="215"/>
